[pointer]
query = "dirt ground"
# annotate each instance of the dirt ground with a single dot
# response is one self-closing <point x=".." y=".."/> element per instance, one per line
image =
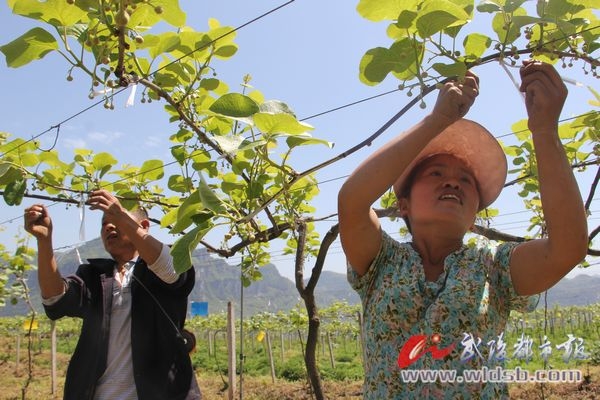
<point x="12" y="381"/>
<point x="264" y="389"/>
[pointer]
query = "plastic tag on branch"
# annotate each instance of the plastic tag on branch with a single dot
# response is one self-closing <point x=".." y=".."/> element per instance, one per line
<point x="512" y="78"/>
<point x="131" y="97"/>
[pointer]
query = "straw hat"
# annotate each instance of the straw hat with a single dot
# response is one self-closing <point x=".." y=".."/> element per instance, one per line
<point x="474" y="145"/>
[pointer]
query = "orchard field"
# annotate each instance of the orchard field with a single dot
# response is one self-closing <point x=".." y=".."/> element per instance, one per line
<point x="272" y="364"/>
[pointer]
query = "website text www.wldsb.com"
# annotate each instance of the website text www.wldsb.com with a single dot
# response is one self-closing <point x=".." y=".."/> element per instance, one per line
<point x="491" y="375"/>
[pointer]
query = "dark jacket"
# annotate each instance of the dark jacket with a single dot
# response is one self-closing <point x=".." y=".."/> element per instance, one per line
<point x="161" y="365"/>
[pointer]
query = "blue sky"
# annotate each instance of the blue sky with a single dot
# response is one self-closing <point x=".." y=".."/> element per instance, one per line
<point x="306" y="54"/>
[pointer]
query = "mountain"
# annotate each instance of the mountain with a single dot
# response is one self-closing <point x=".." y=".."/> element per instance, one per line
<point x="332" y="287"/>
<point x="580" y="290"/>
<point x="218" y="282"/>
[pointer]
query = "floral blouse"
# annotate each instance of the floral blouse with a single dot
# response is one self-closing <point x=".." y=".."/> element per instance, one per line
<point x="472" y="298"/>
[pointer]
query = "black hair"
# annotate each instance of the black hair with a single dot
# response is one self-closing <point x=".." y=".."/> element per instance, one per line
<point x="139" y="212"/>
<point x="404" y="191"/>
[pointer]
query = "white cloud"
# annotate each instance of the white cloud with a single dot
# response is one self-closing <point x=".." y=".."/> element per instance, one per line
<point x="152" y="141"/>
<point x="104" y="137"/>
<point x="74" y="143"/>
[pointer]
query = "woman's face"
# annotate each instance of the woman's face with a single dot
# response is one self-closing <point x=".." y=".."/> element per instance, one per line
<point x="444" y="190"/>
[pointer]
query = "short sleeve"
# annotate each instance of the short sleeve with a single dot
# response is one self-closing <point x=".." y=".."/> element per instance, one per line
<point x="362" y="283"/>
<point x="502" y="278"/>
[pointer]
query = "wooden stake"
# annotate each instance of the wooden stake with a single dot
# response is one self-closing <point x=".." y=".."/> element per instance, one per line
<point x="53" y="355"/>
<point x="331" y="358"/>
<point x="231" y="350"/>
<point x="270" y="354"/>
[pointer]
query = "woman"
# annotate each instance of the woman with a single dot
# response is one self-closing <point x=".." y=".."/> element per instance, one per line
<point x="444" y="170"/>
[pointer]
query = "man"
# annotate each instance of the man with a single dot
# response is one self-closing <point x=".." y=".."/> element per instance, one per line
<point x="133" y="308"/>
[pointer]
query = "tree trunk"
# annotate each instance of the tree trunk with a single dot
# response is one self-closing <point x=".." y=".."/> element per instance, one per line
<point x="310" y="357"/>
<point x="307" y="292"/>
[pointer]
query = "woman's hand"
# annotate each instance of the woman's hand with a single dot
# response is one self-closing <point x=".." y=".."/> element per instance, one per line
<point x="545" y="95"/>
<point x="456" y="98"/>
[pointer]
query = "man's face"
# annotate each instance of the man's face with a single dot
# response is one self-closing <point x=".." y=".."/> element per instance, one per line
<point x="443" y="190"/>
<point x="115" y="242"/>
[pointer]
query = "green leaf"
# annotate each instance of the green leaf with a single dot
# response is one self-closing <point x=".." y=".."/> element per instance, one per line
<point x="8" y="174"/>
<point x="476" y="44"/>
<point x="172" y="13"/>
<point x="280" y="124"/>
<point x="438" y="15"/>
<point x="519" y="21"/>
<point x="28" y="159"/>
<point x="103" y="162"/>
<point x="159" y="44"/>
<point x="276" y="107"/>
<point x="145" y="14"/>
<point x="190" y="40"/>
<point x="209" y="199"/>
<point x="51" y="158"/>
<point x="33" y="45"/>
<point x="384" y="9"/>
<point x="303" y="140"/>
<point x="55" y="12"/>
<point x="179" y="184"/>
<point x="234" y="105"/>
<point x="14" y="192"/>
<point x="183" y="247"/>
<point x="169" y="218"/>
<point x="489" y="6"/>
<point x="230" y="182"/>
<point x="377" y="63"/>
<point x="511" y="5"/>
<point x="202" y="161"/>
<point x="53" y="177"/>
<point x="190" y="207"/>
<point x="220" y="35"/>
<point x="229" y="144"/>
<point x="450" y="70"/>
<point x="210" y="84"/>
<point x="513" y="32"/>
<point x="151" y="170"/>
<point x="406" y="20"/>
<point x="226" y="51"/>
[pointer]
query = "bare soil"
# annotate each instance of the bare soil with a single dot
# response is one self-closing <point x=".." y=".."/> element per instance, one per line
<point x="263" y="389"/>
<point x="13" y="382"/>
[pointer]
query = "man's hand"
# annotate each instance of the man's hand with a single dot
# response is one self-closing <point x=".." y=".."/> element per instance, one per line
<point x="106" y="202"/>
<point x="545" y="95"/>
<point x="38" y="222"/>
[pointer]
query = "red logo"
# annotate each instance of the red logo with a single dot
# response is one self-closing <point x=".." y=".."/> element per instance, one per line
<point x="414" y="348"/>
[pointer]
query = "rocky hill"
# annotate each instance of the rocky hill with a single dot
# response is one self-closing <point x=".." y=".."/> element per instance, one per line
<point x="217" y="282"/>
